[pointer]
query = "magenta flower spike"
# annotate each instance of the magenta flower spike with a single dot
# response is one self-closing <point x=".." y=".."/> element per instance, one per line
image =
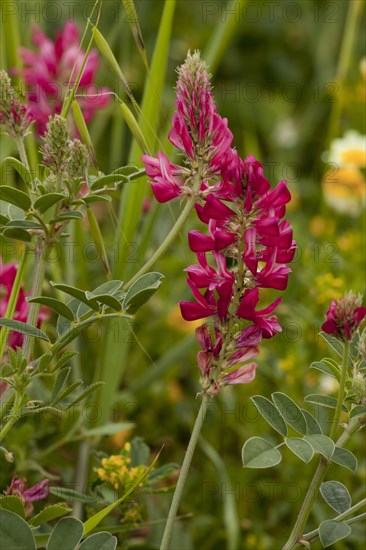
<point x="246" y="231"/>
<point x="47" y="72"/>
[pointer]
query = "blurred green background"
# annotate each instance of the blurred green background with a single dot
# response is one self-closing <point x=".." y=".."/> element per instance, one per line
<point x="280" y="79"/>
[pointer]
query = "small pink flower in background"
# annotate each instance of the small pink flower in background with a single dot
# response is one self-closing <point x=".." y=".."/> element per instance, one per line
<point x="344" y="316"/>
<point x="7" y="275"/>
<point x="47" y="72"/>
<point x="19" y="488"/>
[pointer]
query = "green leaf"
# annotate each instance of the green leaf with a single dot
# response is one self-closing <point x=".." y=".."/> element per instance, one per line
<point x="291" y="413"/>
<point x="66" y="534"/>
<point x="17" y="234"/>
<point x="327" y="366"/>
<point x="60" y="381"/>
<point x="71" y="495"/>
<point x="23" y="224"/>
<point x="96" y="198"/>
<point x="107" y="53"/>
<point x="71" y="215"/>
<point x="140" y="452"/>
<point x="300" y="448"/>
<point x="321" y="444"/>
<point x="94" y="520"/>
<point x="104" y="181"/>
<point x="110" y="287"/>
<point x="54" y="304"/>
<point x="313" y="426"/>
<point x="12" y="503"/>
<point x="49" y="513"/>
<point x="270" y="413"/>
<point x="99" y="541"/>
<point x="358" y="410"/>
<point x="22" y="170"/>
<point x="23" y="328"/>
<point x="90" y="389"/>
<point x="75" y="293"/>
<point x="108" y="429"/>
<point x="334" y="343"/>
<point x="344" y="457"/>
<point x="336" y="495"/>
<point x="331" y="531"/>
<point x="141" y="291"/>
<point x="260" y="453"/>
<point x="16" y="197"/>
<point x="15" y="533"/>
<point x="67" y="391"/>
<point x="323" y="401"/>
<point x="136" y="29"/>
<point x="106" y="300"/>
<point x="45" y="202"/>
<point x="130" y="170"/>
<point x="163" y="472"/>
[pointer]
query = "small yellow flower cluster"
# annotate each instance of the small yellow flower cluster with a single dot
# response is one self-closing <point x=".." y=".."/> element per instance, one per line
<point x="116" y="469"/>
<point x="328" y="287"/>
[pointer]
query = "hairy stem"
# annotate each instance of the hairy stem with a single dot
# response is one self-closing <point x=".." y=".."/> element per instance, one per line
<point x="38" y="277"/>
<point x="322" y="467"/>
<point x="21" y="150"/>
<point x="183" y="473"/>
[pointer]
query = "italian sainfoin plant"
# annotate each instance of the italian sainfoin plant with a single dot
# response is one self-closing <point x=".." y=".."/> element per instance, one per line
<point x="247" y="246"/>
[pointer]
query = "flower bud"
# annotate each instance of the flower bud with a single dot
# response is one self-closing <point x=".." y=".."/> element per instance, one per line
<point x="79" y="162"/>
<point x="15" y="117"/>
<point x="56" y="147"/>
<point x="344" y="317"/>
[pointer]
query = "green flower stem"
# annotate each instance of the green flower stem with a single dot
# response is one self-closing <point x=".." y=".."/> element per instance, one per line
<point x="322" y="467"/>
<point x="12" y="301"/>
<point x="38" y="277"/>
<point x="342" y="385"/>
<point x="313" y="536"/>
<point x="22" y="152"/>
<point x="184" y="472"/>
<point x="13" y="418"/>
<point x="173" y="233"/>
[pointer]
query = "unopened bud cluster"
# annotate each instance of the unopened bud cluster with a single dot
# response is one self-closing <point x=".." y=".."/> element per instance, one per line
<point x="63" y="156"/>
<point x="15" y="116"/>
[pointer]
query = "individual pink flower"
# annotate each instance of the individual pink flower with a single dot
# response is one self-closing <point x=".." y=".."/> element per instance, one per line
<point x="344" y="316"/>
<point x="165" y="177"/>
<point x="28" y="495"/>
<point x="47" y="72"/>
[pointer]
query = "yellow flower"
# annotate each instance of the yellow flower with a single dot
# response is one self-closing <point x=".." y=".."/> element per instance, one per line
<point x="345" y="190"/>
<point x="348" y="151"/>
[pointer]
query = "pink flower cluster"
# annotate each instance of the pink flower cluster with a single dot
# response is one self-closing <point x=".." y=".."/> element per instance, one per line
<point x="344" y="316"/>
<point x="7" y="276"/>
<point x="47" y="73"/>
<point x="248" y="239"/>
